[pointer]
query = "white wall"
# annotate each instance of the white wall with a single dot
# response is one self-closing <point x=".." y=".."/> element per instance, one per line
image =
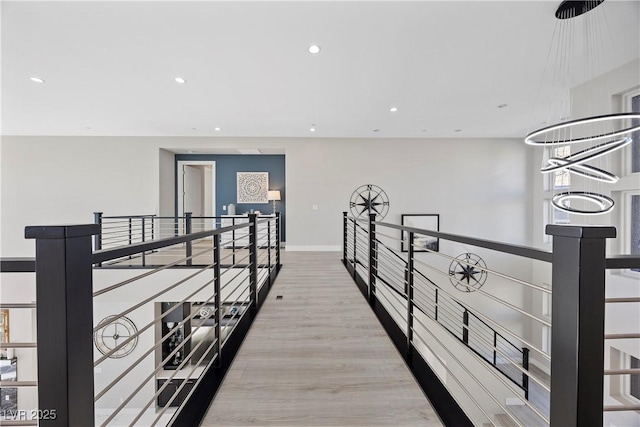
<point x="478" y="186"/>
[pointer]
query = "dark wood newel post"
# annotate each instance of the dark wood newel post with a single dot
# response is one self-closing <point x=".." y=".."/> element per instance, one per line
<point x="64" y="293"/>
<point x="577" y="358"/>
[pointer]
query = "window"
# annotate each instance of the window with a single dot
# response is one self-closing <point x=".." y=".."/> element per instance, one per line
<point x="634" y="381"/>
<point x="634" y="106"/>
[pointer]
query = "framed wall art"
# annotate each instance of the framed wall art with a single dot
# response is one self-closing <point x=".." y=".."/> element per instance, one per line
<point x="422" y="243"/>
<point x="252" y="187"/>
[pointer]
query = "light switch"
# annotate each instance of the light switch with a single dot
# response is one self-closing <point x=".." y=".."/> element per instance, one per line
<point x="314" y="207"/>
<point x="224" y="207"/>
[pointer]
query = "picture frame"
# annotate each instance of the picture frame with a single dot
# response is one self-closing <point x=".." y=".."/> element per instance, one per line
<point x="252" y="187"/>
<point x="426" y="222"/>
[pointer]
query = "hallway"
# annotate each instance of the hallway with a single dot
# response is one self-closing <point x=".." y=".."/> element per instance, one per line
<point x="318" y="357"/>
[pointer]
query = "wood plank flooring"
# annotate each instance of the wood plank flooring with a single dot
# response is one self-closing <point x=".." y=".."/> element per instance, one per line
<point x="318" y="357"/>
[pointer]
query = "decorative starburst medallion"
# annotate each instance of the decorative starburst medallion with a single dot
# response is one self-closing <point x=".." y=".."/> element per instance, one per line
<point x="369" y="199"/>
<point x="468" y="272"/>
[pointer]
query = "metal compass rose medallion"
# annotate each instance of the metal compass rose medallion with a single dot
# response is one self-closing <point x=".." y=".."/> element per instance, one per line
<point x="369" y="199"/>
<point x="468" y="272"/>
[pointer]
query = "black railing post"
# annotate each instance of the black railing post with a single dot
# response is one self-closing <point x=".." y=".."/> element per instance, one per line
<point x="65" y="323"/>
<point x="278" y="240"/>
<point x="269" y="250"/>
<point x="344" y="237"/>
<point x="495" y="346"/>
<point x="525" y="377"/>
<point x="577" y="365"/>
<point x="465" y="328"/>
<point x="410" y="296"/>
<point x="97" y="239"/>
<point x="373" y="264"/>
<point x="436" y="307"/>
<point x="142" y="220"/>
<point x="355" y="246"/>
<point x="217" y="300"/>
<point x="253" y="261"/>
<point x="187" y="230"/>
<point x="153" y="227"/>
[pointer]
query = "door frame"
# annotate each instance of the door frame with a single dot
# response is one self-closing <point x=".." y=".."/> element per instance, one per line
<point x="180" y="179"/>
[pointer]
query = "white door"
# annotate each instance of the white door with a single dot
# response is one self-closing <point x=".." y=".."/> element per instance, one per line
<point x="193" y="202"/>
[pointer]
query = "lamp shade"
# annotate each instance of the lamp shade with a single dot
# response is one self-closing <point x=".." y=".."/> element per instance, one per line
<point x="273" y="195"/>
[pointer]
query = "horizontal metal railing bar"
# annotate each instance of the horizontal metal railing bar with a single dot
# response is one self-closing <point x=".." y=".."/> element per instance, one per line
<point x="149" y="273"/>
<point x="19" y="345"/>
<point x="506" y="331"/>
<point x="461" y="365"/>
<point x="237" y="264"/>
<point x="621" y="408"/>
<point x="633" y="371"/>
<point x="621" y="336"/>
<point x="159" y="342"/>
<point x="106" y="255"/>
<point x="522" y="251"/>
<point x="488" y="295"/>
<point x="17" y="305"/>
<point x="17" y="265"/>
<point x="617" y="300"/>
<point x="497" y="273"/>
<point x="391" y="261"/>
<point x="18" y="384"/>
<point x="184" y="382"/>
<point x="462" y="387"/>
<point x="378" y="233"/>
<point x="487" y="341"/>
<point x="623" y="261"/>
<point x="157" y="294"/>
<point x="393" y="268"/>
<point x="153" y="373"/>
<point x="127" y="232"/>
<point x="129" y="216"/>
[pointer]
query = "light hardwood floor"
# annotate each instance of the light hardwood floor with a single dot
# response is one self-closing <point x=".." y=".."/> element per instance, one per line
<point x="318" y="357"/>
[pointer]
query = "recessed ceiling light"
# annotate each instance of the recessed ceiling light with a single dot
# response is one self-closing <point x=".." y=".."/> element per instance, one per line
<point x="458" y="130"/>
<point x="376" y="130"/>
<point x="194" y="128"/>
<point x="393" y="109"/>
<point x="216" y="129"/>
<point x="37" y="79"/>
<point x="88" y="127"/>
<point x="312" y="129"/>
<point x="424" y="130"/>
<point x="180" y="80"/>
<point x="314" y="48"/>
<point x="502" y="105"/>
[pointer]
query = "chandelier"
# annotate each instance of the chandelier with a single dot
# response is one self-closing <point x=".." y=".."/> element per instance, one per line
<point x="597" y="136"/>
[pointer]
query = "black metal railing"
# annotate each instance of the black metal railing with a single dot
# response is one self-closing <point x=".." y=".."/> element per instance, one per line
<point x="493" y="347"/>
<point x="18" y="346"/>
<point x="407" y="294"/>
<point x="179" y="322"/>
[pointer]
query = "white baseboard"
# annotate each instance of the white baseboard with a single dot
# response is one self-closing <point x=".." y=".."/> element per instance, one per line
<point x="292" y="248"/>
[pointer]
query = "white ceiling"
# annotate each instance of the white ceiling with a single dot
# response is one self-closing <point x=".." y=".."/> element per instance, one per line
<point x="109" y="67"/>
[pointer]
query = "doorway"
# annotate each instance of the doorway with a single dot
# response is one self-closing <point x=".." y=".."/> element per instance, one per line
<point x="196" y="188"/>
